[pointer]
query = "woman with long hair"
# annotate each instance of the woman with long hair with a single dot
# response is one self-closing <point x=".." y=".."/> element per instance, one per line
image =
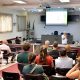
<point x="43" y="58"/>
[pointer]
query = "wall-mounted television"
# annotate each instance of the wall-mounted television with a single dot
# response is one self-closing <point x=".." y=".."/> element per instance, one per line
<point x="56" y="16"/>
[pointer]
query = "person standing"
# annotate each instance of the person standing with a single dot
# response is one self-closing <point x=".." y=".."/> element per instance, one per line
<point x="64" y="38"/>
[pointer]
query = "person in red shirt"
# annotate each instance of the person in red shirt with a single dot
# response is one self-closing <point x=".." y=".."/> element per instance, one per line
<point x="43" y="58"/>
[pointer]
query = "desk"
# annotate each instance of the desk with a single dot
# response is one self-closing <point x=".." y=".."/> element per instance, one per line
<point x="74" y="47"/>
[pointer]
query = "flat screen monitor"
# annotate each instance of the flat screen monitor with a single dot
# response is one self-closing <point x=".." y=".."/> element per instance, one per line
<point x="56" y="16"/>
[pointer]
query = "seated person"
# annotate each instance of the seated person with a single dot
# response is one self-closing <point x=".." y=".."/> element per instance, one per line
<point x="23" y="57"/>
<point x="72" y="53"/>
<point x="54" y="53"/>
<point x="4" y="46"/>
<point x="46" y="45"/>
<point x="67" y="47"/>
<point x="43" y="58"/>
<point x="74" y="73"/>
<point x="63" y="61"/>
<point x="24" y="41"/>
<point x="32" y="67"/>
<point x="17" y="40"/>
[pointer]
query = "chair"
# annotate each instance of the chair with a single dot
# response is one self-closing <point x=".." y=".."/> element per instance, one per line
<point x="13" y="49"/>
<point x="72" y="54"/>
<point x="33" y="77"/>
<point x="10" y="76"/>
<point x="5" y="55"/>
<point x="20" y="67"/>
<point x="9" y="41"/>
<point x="62" y="71"/>
<point x="18" y="48"/>
<point x="48" y="70"/>
<point x="54" y="77"/>
<point x="55" y="32"/>
<point x="13" y="53"/>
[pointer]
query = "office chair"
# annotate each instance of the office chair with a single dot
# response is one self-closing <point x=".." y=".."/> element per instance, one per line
<point x="55" y="32"/>
<point x="20" y="67"/>
<point x="5" y="55"/>
<point x="54" y="77"/>
<point x="10" y="76"/>
<point x="13" y="53"/>
<point x="62" y="71"/>
<point x="72" y="54"/>
<point x="9" y="41"/>
<point x="33" y="77"/>
<point x="48" y="70"/>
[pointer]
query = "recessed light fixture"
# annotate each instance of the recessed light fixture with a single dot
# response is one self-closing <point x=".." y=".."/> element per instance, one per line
<point x="64" y="1"/>
<point x="20" y="2"/>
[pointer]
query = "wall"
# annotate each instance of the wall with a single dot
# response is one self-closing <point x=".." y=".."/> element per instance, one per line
<point x="15" y="32"/>
<point x="41" y="28"/>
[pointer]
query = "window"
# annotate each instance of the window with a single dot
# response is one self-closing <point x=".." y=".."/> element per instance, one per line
<point x="5" y="22"/>
<point x="21" y="23"/>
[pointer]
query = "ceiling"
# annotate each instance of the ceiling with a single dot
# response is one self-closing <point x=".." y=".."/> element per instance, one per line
<point x="10" y="4"/>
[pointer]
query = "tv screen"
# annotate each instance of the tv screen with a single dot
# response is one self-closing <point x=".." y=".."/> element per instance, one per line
<point x="56" y="16"/>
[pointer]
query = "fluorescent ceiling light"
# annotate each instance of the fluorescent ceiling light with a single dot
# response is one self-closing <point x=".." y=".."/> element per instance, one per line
<point x="64" y="0"/>
<point x="20" y="2"/>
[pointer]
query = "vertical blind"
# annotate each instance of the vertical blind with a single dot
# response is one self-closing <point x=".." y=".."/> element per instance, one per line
<point x="21" y="23"/>
<point x="5" y="23"/>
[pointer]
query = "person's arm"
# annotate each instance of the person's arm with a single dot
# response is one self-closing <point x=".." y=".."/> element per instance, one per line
<point x="73" y="73"/>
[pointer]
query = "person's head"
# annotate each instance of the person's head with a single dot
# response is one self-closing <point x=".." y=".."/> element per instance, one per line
<point x="67" y="47"/>
<point x="26" y="46"/>
<point x="63" y="53"/>
<point x="31" y="57"/>
<point x="55" y="44"/>
<point x="47" y="42"/>
<point x="4" y="42"/>
<point x="64" y="33"/>
<point x="43" y="51"/>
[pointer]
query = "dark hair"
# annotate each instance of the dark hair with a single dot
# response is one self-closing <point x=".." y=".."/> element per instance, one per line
<point x="63" y="52"/>
<point x="31" y="57"/>
<point x="55" y="44"/>
<point x="26" y="46"/>
<point x="24" y="39"/>
<point x="43" y="54"/>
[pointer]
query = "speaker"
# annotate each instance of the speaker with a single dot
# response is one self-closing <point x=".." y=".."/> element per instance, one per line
<point x="43" y="18"/>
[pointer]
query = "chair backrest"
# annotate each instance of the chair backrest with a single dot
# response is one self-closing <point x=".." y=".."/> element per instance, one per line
<point x="55" y="32"/>
<point x="54" y="77"/>
<point x="72" y="54"/>
<point x="33" y="77"/>
<point x="10" y="76"/>
<point x="62" y="71"/>
<point x="13" y="49"/>
<point x="20" y="67"/>
<point x="5" y="52"/>
<point x="48" y="70"/>
<point x="9" y="41"/>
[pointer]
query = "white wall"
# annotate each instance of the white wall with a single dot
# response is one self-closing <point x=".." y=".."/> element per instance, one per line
<point x="14" y="33"/>
<point x="41" y="28"/>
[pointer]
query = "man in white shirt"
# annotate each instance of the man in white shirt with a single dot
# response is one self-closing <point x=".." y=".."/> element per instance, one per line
<point x="64" y="38"/>
<point x="63" y="61"/>
<point x="4" y="46"/>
